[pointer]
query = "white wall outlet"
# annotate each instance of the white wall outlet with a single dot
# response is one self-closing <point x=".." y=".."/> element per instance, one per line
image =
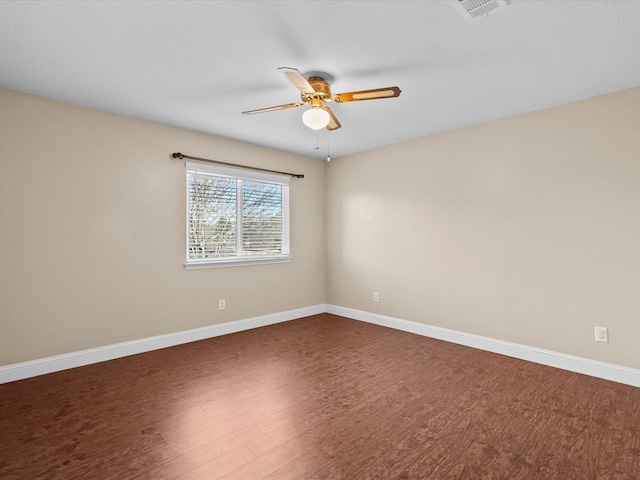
<point x="602" y="334"/>
<point x="222" y="304"/>
<point x="375" y="296"/>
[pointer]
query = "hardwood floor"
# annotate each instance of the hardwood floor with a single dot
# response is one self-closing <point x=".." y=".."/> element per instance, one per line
<point x="322" y="397"/>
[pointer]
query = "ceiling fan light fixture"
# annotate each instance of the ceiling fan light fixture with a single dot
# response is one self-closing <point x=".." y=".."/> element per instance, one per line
<point x="316" y="118"/>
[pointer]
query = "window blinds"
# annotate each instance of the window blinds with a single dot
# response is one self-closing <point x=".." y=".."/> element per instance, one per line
<point x="234" y="214"/>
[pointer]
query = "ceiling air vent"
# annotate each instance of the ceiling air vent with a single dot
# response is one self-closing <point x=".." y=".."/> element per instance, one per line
<point x="474" y="9"/>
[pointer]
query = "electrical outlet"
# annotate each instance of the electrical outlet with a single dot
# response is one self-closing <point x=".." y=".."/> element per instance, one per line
<point x="375" y="296"/>
<point x="222" y="304"/>
<point x="602" y="334"/>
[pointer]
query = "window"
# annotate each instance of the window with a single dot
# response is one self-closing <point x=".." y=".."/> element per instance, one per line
<point x="236" y="216"/>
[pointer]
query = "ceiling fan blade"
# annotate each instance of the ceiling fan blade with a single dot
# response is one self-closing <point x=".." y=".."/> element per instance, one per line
<point x="298" y="80"/>
<point x="334" y="124"/>
<point x="374" y="94"/>
<point x="273" y="109"/>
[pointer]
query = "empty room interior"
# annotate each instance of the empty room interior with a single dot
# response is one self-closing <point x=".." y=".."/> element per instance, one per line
<point x="320" y="240"/>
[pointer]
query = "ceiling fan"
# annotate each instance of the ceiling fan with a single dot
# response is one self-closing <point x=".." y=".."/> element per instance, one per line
<point x="316" y="91"/>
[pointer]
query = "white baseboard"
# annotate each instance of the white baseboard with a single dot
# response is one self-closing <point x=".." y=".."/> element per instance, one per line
<point x="19" y="371"/>
<point x="607" y="371"/>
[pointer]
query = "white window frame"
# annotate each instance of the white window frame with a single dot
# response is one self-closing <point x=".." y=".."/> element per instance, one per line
<point x="240" y="174"/>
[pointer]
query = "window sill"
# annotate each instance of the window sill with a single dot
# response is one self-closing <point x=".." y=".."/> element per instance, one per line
<point x="235" y="262"/>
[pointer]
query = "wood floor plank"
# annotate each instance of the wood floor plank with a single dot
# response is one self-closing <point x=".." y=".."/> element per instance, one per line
<point x="183" y="458"/>
<point x="302" y="467"/>
<point x="273" y="460"/>
<point x="217" y="468"/>
<point x="204" y="431"/>
<point x="235" y="438"/>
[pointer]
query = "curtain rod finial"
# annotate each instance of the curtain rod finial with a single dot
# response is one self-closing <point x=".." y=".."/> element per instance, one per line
<point x="177" y="155"/>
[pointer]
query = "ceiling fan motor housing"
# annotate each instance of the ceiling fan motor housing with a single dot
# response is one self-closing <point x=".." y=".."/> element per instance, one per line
<point x="322" y="92"/>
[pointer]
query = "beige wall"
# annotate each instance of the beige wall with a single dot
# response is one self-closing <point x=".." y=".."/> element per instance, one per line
<point x="92" y="219"/>
<point x="525" y="229"/>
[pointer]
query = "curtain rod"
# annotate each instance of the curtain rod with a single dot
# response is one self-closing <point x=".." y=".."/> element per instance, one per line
<point x="181" y="156"/>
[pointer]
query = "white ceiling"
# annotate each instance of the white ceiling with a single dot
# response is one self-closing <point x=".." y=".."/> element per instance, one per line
<point x="197" y="65"/>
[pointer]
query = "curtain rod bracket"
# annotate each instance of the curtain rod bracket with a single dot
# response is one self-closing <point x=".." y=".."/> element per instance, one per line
<point x="181" y="156"/>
